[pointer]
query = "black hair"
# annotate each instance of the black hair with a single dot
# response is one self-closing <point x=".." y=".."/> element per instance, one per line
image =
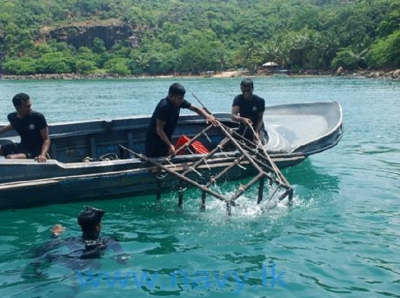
<point x="176" y="89"/>
<point x="247" y="83"/>
<point x="89" y="219"/>
<point x="19" y="98"/>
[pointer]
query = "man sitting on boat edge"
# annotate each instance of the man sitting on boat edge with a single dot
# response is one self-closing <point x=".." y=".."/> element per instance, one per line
<point x="32" y="128"/>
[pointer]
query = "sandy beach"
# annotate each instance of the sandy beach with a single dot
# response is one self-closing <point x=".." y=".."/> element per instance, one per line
<point x="389" y="74"/>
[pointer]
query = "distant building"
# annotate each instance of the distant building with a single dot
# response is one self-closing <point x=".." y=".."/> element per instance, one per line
<point x="270" y="66"/>
<point x="208" y="74"/>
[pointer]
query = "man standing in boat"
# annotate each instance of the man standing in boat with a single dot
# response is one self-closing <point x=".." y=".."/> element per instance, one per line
<point x="32" y="128"/>
<point x="165" y="118"/>
<point x="248" y="109"/>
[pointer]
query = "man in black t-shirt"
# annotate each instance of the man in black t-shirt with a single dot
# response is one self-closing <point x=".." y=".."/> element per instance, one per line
<point x="165" y="118"/>
<point x="32" y="128"/>
<point x="248" y="109"/>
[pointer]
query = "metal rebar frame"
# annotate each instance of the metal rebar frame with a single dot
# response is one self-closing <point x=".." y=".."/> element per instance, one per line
<point x="250" y="155"/>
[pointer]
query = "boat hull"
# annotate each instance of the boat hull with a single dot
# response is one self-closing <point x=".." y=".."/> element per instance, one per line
<point x="113" y="181"/>
<point x="88" y="162"/>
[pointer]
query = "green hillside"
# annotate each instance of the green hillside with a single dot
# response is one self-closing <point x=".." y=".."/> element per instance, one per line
<point x="190" y="36"/>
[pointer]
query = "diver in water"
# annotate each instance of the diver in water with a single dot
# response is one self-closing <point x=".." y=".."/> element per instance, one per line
<point x="79" y="252"/>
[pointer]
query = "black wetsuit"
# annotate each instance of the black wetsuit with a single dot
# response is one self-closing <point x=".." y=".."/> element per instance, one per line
<point x="165" y="111"/>
<point x="77" y="253"/>
<point x="29" y="129"/>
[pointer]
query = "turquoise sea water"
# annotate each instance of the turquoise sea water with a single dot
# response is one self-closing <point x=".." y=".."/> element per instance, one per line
<point x="340" y="239"/>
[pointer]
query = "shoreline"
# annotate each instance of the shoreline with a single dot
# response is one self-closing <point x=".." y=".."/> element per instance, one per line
<point x="391" y="74"/>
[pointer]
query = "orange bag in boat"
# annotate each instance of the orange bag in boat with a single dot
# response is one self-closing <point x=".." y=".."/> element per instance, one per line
<point x="196" y="147"/>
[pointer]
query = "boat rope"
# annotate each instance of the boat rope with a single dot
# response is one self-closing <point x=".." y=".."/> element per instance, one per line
<point x="240" y="166"/>
<point x="208" y="166"/>
<point x="194" y="170"/>
<point x="168" y="160"/>
<point x="108" y="156"/>
<point x="161" y="177"/>
<point x="207" y="137"/>
<point x="220" y="147"/>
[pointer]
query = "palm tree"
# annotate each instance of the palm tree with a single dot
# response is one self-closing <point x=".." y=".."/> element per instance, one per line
<point x="302" y="44"/>
<point x="251" y="54"/>
<point x="143" y="60"/>
<point x="350" y="58"/>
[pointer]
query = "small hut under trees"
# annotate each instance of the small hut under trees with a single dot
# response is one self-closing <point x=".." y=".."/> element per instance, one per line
<point x="270" y="66"/>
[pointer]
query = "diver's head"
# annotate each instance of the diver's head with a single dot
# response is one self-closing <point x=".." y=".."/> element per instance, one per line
<point x="90" y="222"/>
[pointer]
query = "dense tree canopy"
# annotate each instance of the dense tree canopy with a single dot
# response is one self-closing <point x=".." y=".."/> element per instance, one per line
<point x="190" y="36"/>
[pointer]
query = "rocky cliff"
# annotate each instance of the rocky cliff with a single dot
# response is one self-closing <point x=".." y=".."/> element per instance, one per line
<point x="84" y="33"/>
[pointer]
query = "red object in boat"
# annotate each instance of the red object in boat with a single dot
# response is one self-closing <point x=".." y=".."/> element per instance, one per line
<point x="196" y="147"/>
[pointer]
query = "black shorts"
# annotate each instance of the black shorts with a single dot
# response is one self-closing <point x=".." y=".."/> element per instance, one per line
<point x="156" y="151"/>
<point x="16" y="148"/>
